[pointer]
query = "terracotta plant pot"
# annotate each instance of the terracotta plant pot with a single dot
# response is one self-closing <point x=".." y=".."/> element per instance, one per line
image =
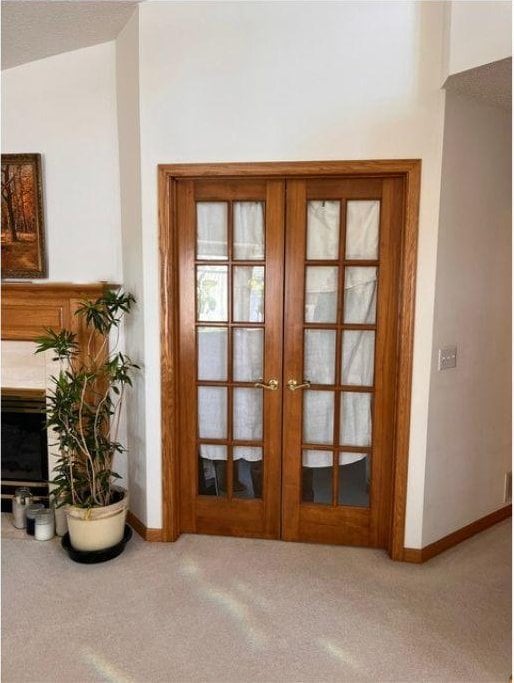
<point x="97" y="528"/>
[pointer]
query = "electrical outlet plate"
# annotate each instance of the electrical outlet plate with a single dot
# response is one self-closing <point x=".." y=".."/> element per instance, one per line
<point x="447" y="358"/>
<point x="508" y="487"/>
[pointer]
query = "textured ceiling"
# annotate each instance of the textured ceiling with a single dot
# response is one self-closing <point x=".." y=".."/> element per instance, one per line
<point x="490" y="83"/>
<point x="33" y="29"/>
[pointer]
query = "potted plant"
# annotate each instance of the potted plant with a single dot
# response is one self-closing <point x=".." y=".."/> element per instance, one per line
<point x="83" y="411"/>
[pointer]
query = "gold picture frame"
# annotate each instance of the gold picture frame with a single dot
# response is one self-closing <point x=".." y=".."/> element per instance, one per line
<point x="23" y="232"/>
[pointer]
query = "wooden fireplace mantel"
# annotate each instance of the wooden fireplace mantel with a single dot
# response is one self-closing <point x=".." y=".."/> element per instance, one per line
<point x="29" y="308"/>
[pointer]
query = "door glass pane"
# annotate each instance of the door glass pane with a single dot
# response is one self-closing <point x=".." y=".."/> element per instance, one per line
<point x="249" y="294"/>
<point x="358" y="357"/>
<point x="248" y="414"/>
<point x="321" y="294"/>
<point x="354" y="478"/>
<point x="248" y="354"/>
<point x="355" y="418"/>
<point x="211" y="220"/>
<point x="212" y="412"/>
<point x="323" y="229"/>
<point x="362" y="220"/>
<point x="248" y="230"/>
<point x="212" y="470"/>
<point x="319" y="356"/>
<point x="317" y="477"/>
<point x="248" y="472"/>
<point x="212" y="353"/>
<point x="318" y="417"/>
<point x="211" y="293"/>
<point x="360" y="295"/>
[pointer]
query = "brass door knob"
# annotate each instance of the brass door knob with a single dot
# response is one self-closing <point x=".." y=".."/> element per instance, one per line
<point x="271" y="385"/>
<point x="293" y="385"/>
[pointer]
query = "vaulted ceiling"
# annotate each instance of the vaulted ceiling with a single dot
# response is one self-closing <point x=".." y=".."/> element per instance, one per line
<point x="34" y="29"/>
<point x="491" y="83"/>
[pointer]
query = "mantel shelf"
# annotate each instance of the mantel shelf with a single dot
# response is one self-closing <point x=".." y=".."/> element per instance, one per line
<point x="61" y="288"/>
<point x="28" y="308"/>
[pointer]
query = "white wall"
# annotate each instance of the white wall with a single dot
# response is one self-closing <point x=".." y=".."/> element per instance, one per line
<point x="127" y="85"/>
<point x="479" y="32"/>
<point x="199" y="82"/>
<point x="65" y="108"/>
<point x="469" y="429"/>
<point x="292" y="81"/>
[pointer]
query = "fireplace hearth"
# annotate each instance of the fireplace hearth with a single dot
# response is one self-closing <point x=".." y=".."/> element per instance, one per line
<point x="24" y="445"/>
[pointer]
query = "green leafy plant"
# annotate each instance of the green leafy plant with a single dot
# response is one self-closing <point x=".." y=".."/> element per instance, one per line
<point x="84" y="405"/>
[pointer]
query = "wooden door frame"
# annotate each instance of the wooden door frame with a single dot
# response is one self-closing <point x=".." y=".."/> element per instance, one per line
<point x="169" y="174"/>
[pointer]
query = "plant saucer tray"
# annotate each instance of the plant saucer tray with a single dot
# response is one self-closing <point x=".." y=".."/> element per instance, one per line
<point x="96" y="556"/>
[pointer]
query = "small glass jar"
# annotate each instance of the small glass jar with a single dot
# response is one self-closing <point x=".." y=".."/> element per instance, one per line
<point x="31" y="517"/>
<point x="21" y="500"/>
<point x="45" y="524"/>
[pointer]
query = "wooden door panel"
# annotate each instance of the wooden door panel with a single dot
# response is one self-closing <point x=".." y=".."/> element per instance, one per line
<point x="334" y="526"/>
<point x="219" y="507"/>
<point x="335" y="519"/>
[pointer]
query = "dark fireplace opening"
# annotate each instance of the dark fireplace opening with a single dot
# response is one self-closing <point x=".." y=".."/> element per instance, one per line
<point x="24" y="445"/>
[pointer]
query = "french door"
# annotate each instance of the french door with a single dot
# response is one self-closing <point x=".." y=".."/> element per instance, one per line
<point x="231" y="274"/>
<point x="287" y="339"/>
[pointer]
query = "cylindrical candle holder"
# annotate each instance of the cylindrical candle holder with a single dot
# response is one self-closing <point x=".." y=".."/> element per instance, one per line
<point x="44" y="525"/>
<point x="21" y="500"/>
<point x="18" y="514"/>
<point x="31" y="516"/>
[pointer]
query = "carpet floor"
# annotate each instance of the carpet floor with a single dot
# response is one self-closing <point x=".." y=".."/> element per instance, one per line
<point x="230" y="609"/>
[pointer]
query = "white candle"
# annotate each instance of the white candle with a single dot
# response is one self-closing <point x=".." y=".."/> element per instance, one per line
<point x="45" y="525"/>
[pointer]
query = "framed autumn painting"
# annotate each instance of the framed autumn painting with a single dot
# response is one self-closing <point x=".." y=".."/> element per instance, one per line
<point x="23" y="243"/>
